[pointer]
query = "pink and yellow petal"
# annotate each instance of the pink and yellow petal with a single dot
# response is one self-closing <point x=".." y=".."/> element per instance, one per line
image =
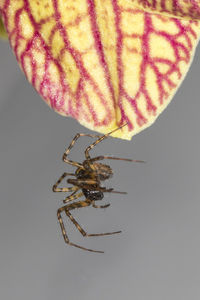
<point x="103" y="62"/>
<point x="186" y="9"/>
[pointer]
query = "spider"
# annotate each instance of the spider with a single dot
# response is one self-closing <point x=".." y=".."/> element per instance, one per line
<point x="87" y="180"/>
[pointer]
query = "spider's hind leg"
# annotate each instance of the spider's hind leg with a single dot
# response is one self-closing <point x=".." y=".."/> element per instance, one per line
<point x="82" y="231"/>
<point x="65" y="236"/>
<point x="67" y="209"/>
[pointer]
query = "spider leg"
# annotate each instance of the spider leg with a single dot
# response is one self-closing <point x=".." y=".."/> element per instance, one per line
<point x="101" y="157"/>
<point x="78" y="135"/>
<point x="101" y="139"/>
<point x="82" y="182"/>
<point x="65" y="236"/>
<point x="104" y="190"/>
<point x="56" y="189"/>
<point x="82" y="231"/>
<point x="72" y="197"/>
<point x="99" y="206"/>
<point x="89" y="185"/>
<point x="67" y="209"/>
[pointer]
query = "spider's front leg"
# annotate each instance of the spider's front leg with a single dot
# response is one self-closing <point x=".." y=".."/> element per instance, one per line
<point x="77" y="136"/>
<point x="100" y="139"/>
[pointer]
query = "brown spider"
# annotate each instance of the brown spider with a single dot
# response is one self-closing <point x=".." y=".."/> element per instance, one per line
<point x="88" y="177"/>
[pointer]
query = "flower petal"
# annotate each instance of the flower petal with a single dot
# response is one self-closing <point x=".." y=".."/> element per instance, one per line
<point x="103" y="62"/>
<point x="187" y="9"/>
<point x="2" y="29"/>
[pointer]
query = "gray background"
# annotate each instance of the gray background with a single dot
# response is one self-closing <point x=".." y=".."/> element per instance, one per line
<point x="158" y="254"/>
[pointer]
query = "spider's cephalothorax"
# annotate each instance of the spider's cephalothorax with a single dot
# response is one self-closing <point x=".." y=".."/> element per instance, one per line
<point x="93" y="170"/>
<point x="87" y="180"/>
<point x="98" y="170"/>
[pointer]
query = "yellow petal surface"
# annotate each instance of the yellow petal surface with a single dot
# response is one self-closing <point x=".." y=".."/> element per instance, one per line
<point x="103" y="62"/>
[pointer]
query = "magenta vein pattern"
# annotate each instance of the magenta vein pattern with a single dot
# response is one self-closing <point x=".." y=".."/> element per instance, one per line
<point x="107" y="80"/>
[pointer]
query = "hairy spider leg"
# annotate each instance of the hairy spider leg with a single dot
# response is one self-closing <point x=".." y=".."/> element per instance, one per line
<point x="80" y="204"/>
<point x="66" y="239"/>
<point x="99" y="206"/>
<point x="77" y="136"/>
<point x="82" y="182"/>
<point x="101" y="157"/>
<point x="104" y="190"/>
<point x="72" y="197"/>
<point x="86" y="184"/>
<point x="87" y="155"/>
<point x="70" y="189"/>
<point x="67" y="209"/>
<point x="89" y="185"/>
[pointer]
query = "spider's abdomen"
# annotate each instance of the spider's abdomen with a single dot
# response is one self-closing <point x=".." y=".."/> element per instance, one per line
<point x="93" y="195"/>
